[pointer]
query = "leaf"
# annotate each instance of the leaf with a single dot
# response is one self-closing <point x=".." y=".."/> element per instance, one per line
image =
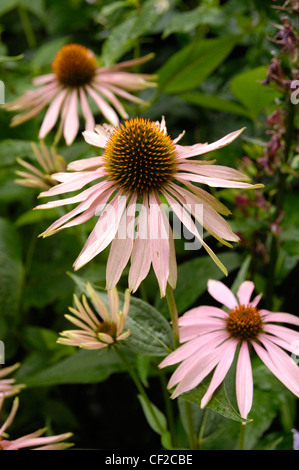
<point x="187" y="21"/>
<point x="193" y="277"/>
<point x="11" y="149"/>
<point x="11" y="269"/>
<point x="214" y="102"/>
<point x="189" y="67"/>
<point x="155" y="418"/>
<point x="218" y="403"/>
<point x="249" y="90"/>
<point x="82" y="367"/>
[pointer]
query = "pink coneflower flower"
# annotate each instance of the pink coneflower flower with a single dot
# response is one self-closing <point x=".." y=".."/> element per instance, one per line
<point x="76" y="76"/>
<point x="97" y="330"/>
<point x="32" y="440"/>
<point x="49" y="162"/>
<point x="140" y="167"/>
<point x="8" y="387"/>
<point x="212" y="336"/>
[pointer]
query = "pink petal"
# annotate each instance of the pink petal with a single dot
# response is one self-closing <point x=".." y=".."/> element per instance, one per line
<point x="141" y="253"/>
<point x="113" y="100"/>
<point x="71" y="121"/>
<point x="220" y="371"/>
<point x="96" y="139"/>
<point x="279" y="317"/>
<point x="199" y="149"/>
<point x="88" y="116"/>
<point x="52" y="114"/>
<point x="104" y="231"/>
<point x="159" y="243"/>
<point x="244" y="292"/>
<point x="222" y="294"/>
<point x="121" y="247"/>
<point x="244" y="381"/>
<point x="42" y="79"/>
<point x="280" y="364"/>
<point x="91" y="163"/>
<point x="104" y="107"/>
<point x="215" y="182"/>
<point x="213" y="171"/>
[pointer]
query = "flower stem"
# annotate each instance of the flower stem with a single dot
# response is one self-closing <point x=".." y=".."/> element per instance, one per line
<point x="173" y="315"/>
<point x="194" y="445"/>
<point x="242" y="437"/>
<point x="29" y="33"/>
<point x="139" y="386"/>
<point x="176" y="339"/>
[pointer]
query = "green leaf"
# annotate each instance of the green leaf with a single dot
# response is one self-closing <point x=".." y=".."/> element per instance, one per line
<point x="214" y="102"/>
<point x="218" y="403"/>
<point x="249" y="90"/>
<point x="11" y="149"/>
<point x="189" y="67"/>
<point x="82" y="367"/>
<point x="158" y="422"/>
<point x="187" y="21"/>
<point x="11" y="269"/>
<point x="193" y="277"/>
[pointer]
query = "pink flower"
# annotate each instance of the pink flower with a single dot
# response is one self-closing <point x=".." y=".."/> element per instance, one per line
<point x="212" y="335"/>
<point x="32" y="440"/>
<point x="8" y="387"/>
<point x="97" y="330"/>
<point x="142" y="166"/>
<point x="76" y="76"/>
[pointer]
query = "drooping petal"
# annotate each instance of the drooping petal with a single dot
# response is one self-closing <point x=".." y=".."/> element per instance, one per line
<point x="141" y="253"/>
<point x="159" y="242"/>
<point x="122" y="245"/>
<point x="52" y="114"/>
<point x="71" y="120"/>
<point x="86" y="111"/>
<point x="244" y="381"/>
<point x="104" y="107"/>
<point x="221" y="370"/>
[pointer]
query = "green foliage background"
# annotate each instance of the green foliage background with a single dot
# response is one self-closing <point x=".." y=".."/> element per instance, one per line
<point x="210" y="59"/>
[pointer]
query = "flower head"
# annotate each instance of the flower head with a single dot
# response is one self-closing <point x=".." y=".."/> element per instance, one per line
<point x="49" y="162"/>
<point x="212" y="336"/>
<point x="75" y="77"/>
<point x="142" y="166"/>
<point x="8" y="387"/>
<point x="97" y="330"/>
<point x="33" y="440"/>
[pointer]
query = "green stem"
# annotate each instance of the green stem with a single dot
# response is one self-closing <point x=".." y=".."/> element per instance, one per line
<point x="242" y="437"/>
<point x="190" y="427"/>
<point x="139" y="386"/>
<point x="173" y="315"/>
<point x="202" y="427"/>
<point x="29" y="33"/>
<point x="176" y="339"/>
<point x="168" y="406"/>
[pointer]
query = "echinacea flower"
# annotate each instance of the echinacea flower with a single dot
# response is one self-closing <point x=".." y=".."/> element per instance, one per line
<point x="212" y="337"/>
<point x="34" y="441"/>
<point x="9" y="387"/>
<point x="97" y="330"/>
<point x="141" y="165"/>
<point x="75" y="77"/>
<point x="49" y="162"/>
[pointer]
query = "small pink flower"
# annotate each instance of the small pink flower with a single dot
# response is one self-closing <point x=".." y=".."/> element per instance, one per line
<point x="8" y="387"/>
<point x="76" y="76"/>
<point x="32" y="440"/>
<point x="212" y="336"/>
<point x="97" y="330"/>
<point x="142" y="166"/>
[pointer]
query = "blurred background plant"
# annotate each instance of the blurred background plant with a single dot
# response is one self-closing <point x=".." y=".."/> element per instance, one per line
<point x="221" y="65"/>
